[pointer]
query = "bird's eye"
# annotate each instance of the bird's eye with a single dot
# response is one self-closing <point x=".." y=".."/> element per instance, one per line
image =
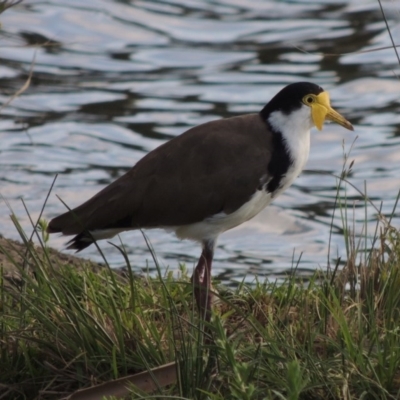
<point x="309" y="99"/>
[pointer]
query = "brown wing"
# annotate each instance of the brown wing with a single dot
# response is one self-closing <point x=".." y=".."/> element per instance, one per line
<point x="211" y="168"/>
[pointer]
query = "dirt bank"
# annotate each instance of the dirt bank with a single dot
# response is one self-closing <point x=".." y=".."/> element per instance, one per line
<point x="13" y="252"/>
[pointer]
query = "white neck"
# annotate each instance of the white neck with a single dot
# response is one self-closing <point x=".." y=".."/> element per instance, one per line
<point x="295" y="129"/>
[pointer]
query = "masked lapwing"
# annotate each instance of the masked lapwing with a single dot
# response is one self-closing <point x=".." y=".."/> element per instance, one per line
<point x="211" y="178"/>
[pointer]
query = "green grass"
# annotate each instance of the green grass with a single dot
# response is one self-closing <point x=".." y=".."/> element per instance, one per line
<point x="334" y="336"/>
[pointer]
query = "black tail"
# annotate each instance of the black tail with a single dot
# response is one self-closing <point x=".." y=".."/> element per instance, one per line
<point x="80" y="242"/>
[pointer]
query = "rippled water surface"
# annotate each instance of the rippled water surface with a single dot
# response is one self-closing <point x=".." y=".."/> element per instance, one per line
<point x="113" y="80"/>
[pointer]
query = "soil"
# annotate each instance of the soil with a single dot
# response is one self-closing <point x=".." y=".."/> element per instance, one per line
<point x="13" y="253"/>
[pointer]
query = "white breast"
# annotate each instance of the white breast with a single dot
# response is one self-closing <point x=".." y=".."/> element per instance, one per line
<point x="211" y="227"/>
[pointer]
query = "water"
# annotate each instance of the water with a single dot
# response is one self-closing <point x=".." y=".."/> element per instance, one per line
<point x="115" y="79"/>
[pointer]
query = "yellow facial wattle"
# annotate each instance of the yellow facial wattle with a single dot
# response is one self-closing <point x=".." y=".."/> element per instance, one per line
<point x="321" y="111"/>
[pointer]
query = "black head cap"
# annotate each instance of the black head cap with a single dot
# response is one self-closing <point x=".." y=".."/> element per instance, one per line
<point x="290" y="98"/>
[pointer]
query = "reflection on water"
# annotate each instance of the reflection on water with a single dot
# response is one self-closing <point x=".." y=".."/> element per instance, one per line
<point x="113" y="80"/>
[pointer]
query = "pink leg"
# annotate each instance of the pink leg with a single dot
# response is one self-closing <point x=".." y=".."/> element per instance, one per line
<point x="202" y="280"/>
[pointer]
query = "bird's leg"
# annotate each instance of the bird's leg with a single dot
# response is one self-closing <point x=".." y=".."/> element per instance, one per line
<point x="202" y="280"/>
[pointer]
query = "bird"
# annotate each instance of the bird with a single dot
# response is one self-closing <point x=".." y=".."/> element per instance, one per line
<point x="211" y="178"/>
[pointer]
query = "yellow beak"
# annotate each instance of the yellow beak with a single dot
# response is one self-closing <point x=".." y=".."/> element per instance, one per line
<point x="321" y="110"/>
